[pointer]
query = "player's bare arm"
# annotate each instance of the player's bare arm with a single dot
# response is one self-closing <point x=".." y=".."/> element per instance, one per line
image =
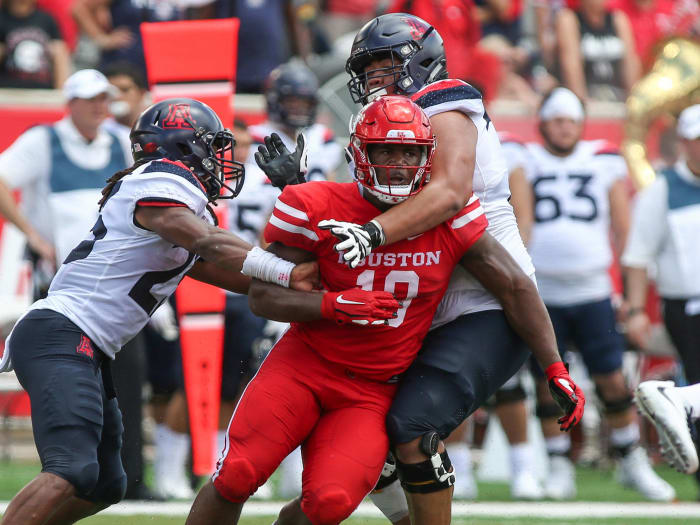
<point x="215" y="245"/>
<point x="450" y="183"/>
<point x="357" y="306"/>
<point x="500" y="274"/>
<point x="493" y="267"/>
<point x="209" y="273"/>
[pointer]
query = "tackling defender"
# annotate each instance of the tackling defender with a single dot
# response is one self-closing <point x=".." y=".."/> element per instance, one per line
<point x="154" y="227"/>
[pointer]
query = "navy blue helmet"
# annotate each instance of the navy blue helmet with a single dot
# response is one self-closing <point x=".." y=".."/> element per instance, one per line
<point x="414" y="46"/>
<point x="291" y="93"/>
<point x="187" y="130"/>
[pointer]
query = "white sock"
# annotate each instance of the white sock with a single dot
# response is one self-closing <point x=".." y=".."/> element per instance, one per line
<point x="172" y="449"/>
<point x="691" y="396"/>
<point x="559" y="445"/>
<point x="522" y="458"/>
<point x="461" y="458"/>
<point x="625" y="436"/>
<point x="290" y="475"/>
<point x="220" y="444"/>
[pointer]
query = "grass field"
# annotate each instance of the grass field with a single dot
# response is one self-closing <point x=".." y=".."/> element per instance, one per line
<point x="593" y="485"/>
<point x="159" y="520"/>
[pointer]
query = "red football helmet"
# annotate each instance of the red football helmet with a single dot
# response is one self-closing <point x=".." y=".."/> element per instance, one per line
<point x="391" y="120"/>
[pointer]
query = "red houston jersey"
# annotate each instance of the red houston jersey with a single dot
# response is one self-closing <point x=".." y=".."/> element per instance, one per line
<point x="416" y="270"/>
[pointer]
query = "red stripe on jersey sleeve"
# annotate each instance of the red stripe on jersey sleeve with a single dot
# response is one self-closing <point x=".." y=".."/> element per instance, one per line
<point x="291" y="222"/>
<point x="161" y="203"/>
<point x="435" y="86"/>
<point x="468" y="225"/>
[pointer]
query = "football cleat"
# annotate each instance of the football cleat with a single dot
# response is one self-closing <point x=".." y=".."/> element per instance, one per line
<point x="561" y="481"/>
<point x="635" y="472"/>
<point x="658" y="402"/>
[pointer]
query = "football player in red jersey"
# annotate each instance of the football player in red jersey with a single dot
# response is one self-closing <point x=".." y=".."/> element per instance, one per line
<point x="326" y="386"/>
<point x="478" y="339"/>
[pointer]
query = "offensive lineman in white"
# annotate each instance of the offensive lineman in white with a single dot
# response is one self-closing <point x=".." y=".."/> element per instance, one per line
<point x="154" y="227"/>
<point x="580" y="196"/>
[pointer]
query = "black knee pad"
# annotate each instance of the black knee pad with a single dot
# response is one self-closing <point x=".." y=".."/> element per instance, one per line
<point x="110" y="492"/>
<point x="616" y="406"/>
<point x="421" y="478"/>
<point x="510" y="395"/>
<point x="83" y="475"/>
<point x="548" y="410"/>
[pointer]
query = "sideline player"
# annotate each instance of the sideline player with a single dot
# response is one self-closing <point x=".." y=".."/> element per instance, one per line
<point x="580" y="198"/>
<point x="337" y="408"/>
<point x="154" y="227"/>
<point x="473" y="348"/>
<point x="291" y="100"/>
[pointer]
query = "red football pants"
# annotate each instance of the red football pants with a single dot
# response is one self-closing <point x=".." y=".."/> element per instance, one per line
<point x="298" y="398"/>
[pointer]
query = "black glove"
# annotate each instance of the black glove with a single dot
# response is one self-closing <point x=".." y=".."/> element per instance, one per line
<point x="281" y="166"/>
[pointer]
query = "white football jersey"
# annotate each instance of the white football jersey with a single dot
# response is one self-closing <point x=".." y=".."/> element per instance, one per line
<point x="570" y="242"/>
<point x="112" y="281"/>
<point x="250" y="210"/>
<point x="324" y="153"/>
<point x="514" y="150"/>
<point x="490" y="185"/>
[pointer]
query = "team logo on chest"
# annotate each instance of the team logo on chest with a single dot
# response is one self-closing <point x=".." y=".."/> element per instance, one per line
<point x="178" y="117"/>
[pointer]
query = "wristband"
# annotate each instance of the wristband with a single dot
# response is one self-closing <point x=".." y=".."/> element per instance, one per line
<point x="555" y="369"/>
<point x="267" y="267"/>
<point x="636" y="310"/>
<point x="376" y="233"/>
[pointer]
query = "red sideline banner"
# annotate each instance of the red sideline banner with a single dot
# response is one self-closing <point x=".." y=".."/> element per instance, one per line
<point x="202" y="340"/>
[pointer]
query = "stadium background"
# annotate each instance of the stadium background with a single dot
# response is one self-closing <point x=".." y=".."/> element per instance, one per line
<point x="23" y="108"/>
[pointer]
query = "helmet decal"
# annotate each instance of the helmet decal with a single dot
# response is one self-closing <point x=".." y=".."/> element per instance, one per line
<point x="179" y="116"/>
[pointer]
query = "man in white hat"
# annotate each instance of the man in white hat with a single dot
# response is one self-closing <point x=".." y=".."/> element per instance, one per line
<point x="665" y="234"/>
<point x="580" y="199"/>
<point x="61" y="168"/>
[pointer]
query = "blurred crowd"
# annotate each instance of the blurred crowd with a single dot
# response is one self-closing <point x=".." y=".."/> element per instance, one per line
<point x="510" y="49"/>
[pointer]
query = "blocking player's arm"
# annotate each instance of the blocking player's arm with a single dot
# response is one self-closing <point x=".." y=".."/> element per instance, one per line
<point x="361" y="307"/>
<point x="496" y="270"/>
<point x="450" y="182"/>
<point x="211" y="274"/>
<point x="180" y="226"/>
<point x="265" y="299"/>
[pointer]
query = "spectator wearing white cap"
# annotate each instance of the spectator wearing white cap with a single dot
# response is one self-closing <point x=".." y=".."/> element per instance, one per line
<point x="580" y="199"/>
<point x="665" y="241"/>
<point x="61" y="169"/>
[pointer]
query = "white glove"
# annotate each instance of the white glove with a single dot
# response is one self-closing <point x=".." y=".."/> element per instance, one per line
<point x="163" y="321"/>
<point x="356" y="241"/>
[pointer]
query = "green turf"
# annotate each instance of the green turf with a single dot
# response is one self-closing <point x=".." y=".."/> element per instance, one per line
<point x="593" y="484"/>
<point x="267" y="520"/>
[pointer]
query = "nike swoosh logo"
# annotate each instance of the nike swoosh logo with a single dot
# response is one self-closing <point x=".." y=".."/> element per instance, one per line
<point x="346" y="301"/>
<point x="414" y="237"/>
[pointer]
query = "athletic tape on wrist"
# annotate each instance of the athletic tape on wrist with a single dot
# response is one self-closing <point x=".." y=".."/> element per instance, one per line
<point x="267" y="267"/>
